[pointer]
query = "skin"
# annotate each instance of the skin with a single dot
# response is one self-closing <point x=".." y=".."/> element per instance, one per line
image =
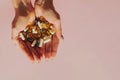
<point x="25" y="13"/>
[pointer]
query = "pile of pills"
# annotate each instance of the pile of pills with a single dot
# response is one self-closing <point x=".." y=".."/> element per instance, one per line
<point x="38" y="33"/>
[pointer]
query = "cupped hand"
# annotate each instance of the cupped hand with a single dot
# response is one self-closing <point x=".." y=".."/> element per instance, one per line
<point x="25" y="14"/>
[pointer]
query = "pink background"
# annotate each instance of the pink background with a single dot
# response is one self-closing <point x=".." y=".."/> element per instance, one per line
<point x="90" y="51"/>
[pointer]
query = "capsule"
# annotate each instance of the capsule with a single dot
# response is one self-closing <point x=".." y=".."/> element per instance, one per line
<point x="39" y="24"/>
<point x="33" y="44"/>
<point x="41" y="43"/>
<point x="22" y="36"/>
<point x="52" y="30"/>
<point x="25" y="29"/>
<point x="47" y="39"/>
<point x="44" y="25"/>
<point x="34" y="31"/>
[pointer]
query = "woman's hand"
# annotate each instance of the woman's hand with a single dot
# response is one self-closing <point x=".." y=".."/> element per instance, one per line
<point x="25" y="14"/>
<point x="46" y="8"/>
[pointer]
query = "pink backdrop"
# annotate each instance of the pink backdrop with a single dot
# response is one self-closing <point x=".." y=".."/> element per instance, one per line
<point x="90" y="51"/>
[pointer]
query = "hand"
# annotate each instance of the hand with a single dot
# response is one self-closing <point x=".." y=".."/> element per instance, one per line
<point x="24" y="14"/>
<point x="46" y="8"/>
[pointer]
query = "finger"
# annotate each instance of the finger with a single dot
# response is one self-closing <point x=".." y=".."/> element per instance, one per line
<point x="34" y="52"/>
<point x="22" y="7"/>
<point x="26" y="49"/>
<point x="27" y="3"/>
<point x="46" y="4"/>
<point x="39" y="2"/>
<point x="40" y="51"/>
<point x="55" y="43"/>
<point x="48" y="50"/>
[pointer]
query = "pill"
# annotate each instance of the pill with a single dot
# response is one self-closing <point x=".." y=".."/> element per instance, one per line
<point x="41" y="43"/>
<point x="47" y="40"/>
<point x="25" y="29"/>
<point x="22" y="36"/>
<point x="44" y="25"/>
<point x="39" y="24"/>
<point x="34" y="31"/>
<point x="33" y="44"/>
<point x="52" y="31"/>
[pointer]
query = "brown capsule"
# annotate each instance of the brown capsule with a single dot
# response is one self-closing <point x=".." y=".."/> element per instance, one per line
<point x="42" y="18"/>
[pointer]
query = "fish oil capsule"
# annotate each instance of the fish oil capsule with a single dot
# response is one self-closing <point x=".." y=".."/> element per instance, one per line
<point x="44" y="25"/>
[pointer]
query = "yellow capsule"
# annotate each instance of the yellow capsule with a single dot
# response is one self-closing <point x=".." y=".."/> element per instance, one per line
<point x="47" y="33"/>
<point x="44" y="25"/>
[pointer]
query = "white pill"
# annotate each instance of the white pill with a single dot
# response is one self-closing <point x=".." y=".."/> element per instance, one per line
<point x="39" y="24"/>
<point x="41" y="43"/>
<point x="33" y="44"/>
<point x="22" y="36"/>
<point x="47" y="40"/>
<point x="25" y="29"/>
